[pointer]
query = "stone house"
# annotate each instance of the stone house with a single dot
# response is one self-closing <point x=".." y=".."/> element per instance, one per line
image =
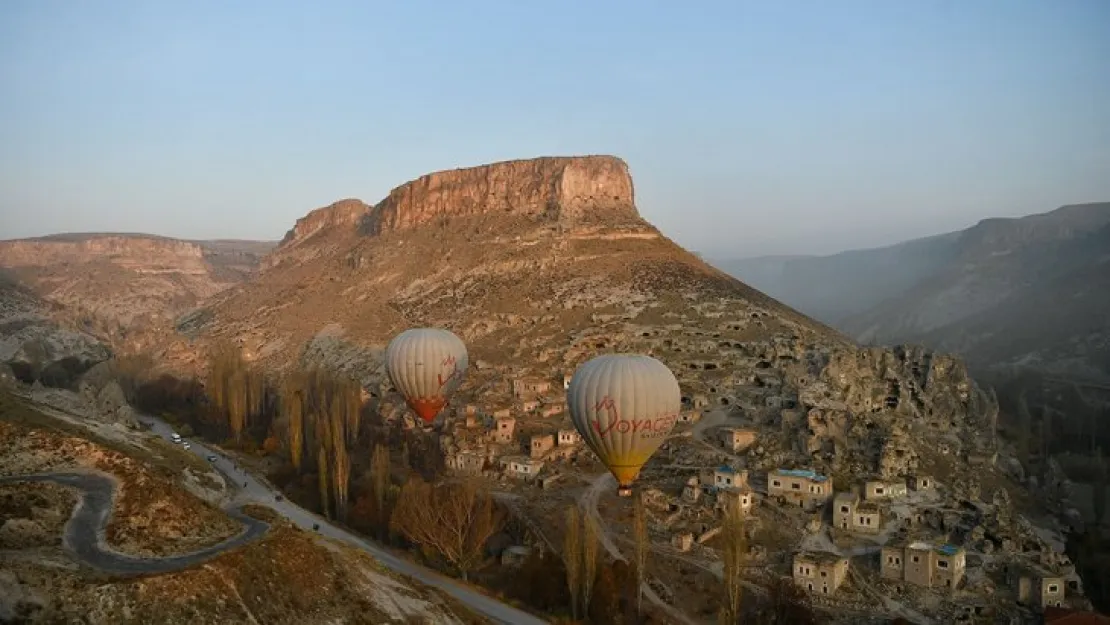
<point x="541" y="444"/>
<point x="689" y="416"/>
<point x="853" y="515"/>
<point x="502" y="413"/>
<point x="569" y="437"/>
<point x="925" y="565"/>
<point x="879" y="490"/>
<point x="802" y="487"/>
<point x="553" y="410"/>
<point x="820" y="572"/>
<point x="566" y="380"/>
<point x="1036" y="586"/>
<point x="691" y="492"/>
<point x="523" y="468"/>
<point x="503" y="430"/>
<point x="742" y="496"/>
<point x="737" y="439"/>
<point x="526" y="386"/>
<point x="683" y="541"/>
<point x="727" y="477"/>
<point x="529" y="405"/>
<point x="466" y="462"/>
<point x="921" y="483"/>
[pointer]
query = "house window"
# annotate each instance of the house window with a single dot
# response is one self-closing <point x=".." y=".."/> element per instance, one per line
<point x="1053" y="589"/>
<point x="878" y="490"/>
<point x="916" y="559"/>
<point x="844" y="508"/>
<point x="824" y="574"/>
<point x="796" y="486"/>
<point x="942" y="564"/>
<point x="776" y="483"/>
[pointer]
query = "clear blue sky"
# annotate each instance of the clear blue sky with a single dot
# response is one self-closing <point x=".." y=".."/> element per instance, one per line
<point x="750" y="127"/>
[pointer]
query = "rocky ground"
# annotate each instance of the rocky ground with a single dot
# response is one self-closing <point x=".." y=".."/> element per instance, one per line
<point x="287" y="577"/>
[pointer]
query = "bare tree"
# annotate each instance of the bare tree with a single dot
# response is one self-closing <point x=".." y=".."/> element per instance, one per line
<point x="640" y="535"/>
<point x="572" y="556"/>
<point x="589" y="559"/>
<point x="734" y="552"/>
<point x="292" y="406"/>
<point x="454" y="520"/>
<point x="1098" y="492"/>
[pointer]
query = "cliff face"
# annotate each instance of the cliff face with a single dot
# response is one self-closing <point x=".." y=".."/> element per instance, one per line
<point x="140" y="254"/>
<point x="587" y="189"/>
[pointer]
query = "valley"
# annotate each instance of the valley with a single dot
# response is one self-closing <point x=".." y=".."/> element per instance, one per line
<point x="845" y="463"/>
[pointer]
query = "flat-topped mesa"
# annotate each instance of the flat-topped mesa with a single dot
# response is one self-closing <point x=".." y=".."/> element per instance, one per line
<point x="143" y="253"/>
<point x="344" y="213"/>
<point x="569" y="189"/>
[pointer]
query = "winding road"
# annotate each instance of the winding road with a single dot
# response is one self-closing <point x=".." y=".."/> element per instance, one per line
<point x="84" y="532"/>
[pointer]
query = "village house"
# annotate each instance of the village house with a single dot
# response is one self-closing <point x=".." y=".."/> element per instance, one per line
<point x="553" y="410"/>
<point x="741" y="496"/>
<point x="503" y="430"/>
<point x="689" y="416"/>
<point x="691" y="493"/>
<point x="737" y="439"/>
<point x="541" y="444"/>
<point x="802" y="487"/>
<point x="569" y="437"/>
<point x="924" y="564"/>
<point x="522" y="387"/>
<point x="921" y="483"/>
<point x="878" y="490"/>
<point x="522" y="467"/>
<point x="820" y="572"/>
<point x="1036" y="586"/>
<point x="502" y="413"/>
<point x="566" y="380"/>
<point x="682" y="541"/>
<point x="853" y="515"/>
<point x="466" y="462"/>
<point x="529" y="405"/>
<point x="727" y="477"/>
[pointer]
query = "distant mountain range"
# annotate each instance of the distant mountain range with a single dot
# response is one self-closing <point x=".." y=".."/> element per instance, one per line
<point x="1032" y="292"/>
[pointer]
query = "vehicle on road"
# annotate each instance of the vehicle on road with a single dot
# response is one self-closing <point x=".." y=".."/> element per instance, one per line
<point x="278" y="497"/>
<point x="316" y="527"/>
<point x="175" y="437"/>
<point x="185" y="445"/>
<point x="211" y="458"/>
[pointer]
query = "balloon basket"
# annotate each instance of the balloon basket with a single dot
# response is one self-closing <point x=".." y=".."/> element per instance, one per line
<point x="624" y="491"/>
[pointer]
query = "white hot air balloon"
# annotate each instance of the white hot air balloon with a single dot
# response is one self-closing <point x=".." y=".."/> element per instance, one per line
<point x="426" y="365"/>
<point x="624" y="406"/>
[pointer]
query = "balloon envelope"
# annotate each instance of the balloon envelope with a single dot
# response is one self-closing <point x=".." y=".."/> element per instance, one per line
<point x="624" y="406"/>
<point x="426" y="365"/>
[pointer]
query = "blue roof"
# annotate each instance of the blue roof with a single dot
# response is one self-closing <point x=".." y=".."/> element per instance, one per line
<point x="806" y="473"/>
<point x="726" y="469"/>
<point x="948" y="550"/>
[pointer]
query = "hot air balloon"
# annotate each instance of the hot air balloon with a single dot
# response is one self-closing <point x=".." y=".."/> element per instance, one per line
<point x="624" y="406"/>
<point x="426" y="365"/>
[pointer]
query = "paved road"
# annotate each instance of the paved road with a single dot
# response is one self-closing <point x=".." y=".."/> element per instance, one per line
<point x="252" y="490"/>
<point x="84" y="533"/>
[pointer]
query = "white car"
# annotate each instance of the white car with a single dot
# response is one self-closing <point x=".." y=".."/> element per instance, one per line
<point x="175" y="437"/>
<point x="185" y="445"/>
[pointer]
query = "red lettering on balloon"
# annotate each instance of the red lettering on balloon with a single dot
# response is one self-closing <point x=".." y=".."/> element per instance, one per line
<point x="647" y="428"/>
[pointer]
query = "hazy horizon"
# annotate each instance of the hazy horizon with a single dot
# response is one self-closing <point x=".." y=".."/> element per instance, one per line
<point x="750" y="129"/>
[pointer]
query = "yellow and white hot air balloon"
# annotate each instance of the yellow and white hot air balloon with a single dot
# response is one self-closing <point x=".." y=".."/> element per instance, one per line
<point x="624" y="406"/>
<point x="426" y="365"/>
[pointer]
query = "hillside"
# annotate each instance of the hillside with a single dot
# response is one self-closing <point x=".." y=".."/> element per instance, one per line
<point x="126" y="288"/>
<point x="515" y="257"/>
<point x="1005" y="292"/>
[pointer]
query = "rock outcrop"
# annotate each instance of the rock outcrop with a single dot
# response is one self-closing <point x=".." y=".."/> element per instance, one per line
<point x="559" y="189"/>
<point x="34" y="347"/>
